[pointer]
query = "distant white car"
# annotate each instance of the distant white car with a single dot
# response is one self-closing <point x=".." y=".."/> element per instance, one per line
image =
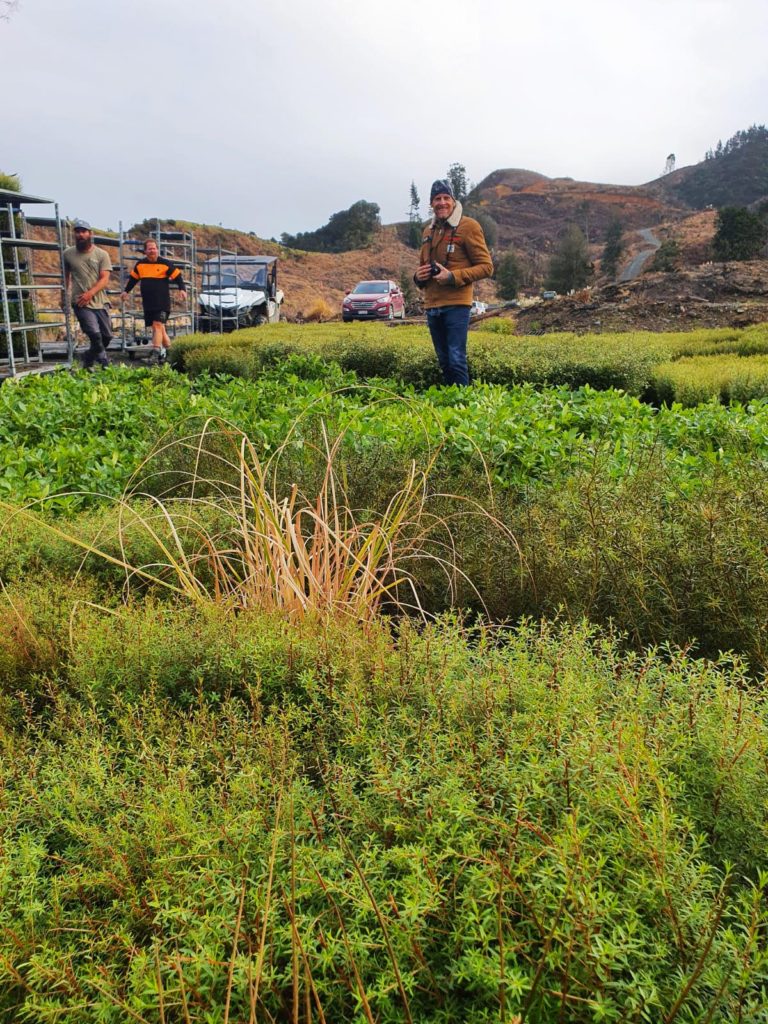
<point x="477" y="308"/>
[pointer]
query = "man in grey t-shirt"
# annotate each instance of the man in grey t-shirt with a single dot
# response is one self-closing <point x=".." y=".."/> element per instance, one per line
<point x="87" y="270"/>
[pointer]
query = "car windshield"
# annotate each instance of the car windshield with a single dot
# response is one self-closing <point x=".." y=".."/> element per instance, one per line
<point x="237" y="276"/>
<point x="371" y="288"/>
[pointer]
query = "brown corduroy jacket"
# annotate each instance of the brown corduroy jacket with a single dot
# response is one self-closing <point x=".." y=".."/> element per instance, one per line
<point x="468" y="259"/>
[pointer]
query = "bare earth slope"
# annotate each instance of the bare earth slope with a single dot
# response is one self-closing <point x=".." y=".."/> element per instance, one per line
<point x="710" y="295"/>
<point x="531" y="210"/>
<point x="309" y="277"/>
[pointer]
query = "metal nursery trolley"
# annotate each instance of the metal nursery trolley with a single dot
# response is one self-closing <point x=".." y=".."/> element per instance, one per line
<point x="35" y="329"/>
<point x="178" y="246"/>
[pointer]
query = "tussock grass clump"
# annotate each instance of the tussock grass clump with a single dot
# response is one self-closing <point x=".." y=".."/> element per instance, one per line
<point x="240" y="540"/>
<point x="319" y="311"/>
<point x="654" y="520"/>
<point x="431" y="826"/>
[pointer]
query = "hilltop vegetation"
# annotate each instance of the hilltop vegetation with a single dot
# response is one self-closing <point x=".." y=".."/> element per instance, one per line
<point x="733" y="174"/>
<point x="348" y="229"/>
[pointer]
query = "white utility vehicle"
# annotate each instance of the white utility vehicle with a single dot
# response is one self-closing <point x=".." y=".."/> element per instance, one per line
<point x="238" y="291"/>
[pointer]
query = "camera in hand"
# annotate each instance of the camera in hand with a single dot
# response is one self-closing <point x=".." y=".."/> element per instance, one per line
<point x="434" y="270"/>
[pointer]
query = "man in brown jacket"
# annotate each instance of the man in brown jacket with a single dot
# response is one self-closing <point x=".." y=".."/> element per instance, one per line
<point x="453" y="256"/>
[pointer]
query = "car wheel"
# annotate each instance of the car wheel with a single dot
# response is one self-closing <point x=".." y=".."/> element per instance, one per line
<point x="346" y="319"/>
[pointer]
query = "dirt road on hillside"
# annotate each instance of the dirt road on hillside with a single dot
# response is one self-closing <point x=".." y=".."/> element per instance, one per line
<point x="630" y="272"/>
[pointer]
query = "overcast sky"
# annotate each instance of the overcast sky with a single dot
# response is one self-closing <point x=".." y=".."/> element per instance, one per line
<point x="270" y="115"/>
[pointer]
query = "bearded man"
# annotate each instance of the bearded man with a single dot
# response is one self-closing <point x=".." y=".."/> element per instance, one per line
<point x="86" y="270"/>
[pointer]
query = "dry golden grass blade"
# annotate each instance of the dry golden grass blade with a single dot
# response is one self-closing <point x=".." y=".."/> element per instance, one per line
<point x="254" y="994"/>
<point x="233" y="955"/>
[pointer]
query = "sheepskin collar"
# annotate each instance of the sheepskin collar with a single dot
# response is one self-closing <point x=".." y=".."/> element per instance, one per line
<point x="453" y="220"/>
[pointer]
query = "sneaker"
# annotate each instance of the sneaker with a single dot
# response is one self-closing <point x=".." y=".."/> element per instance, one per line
<point x="162" y="356"/>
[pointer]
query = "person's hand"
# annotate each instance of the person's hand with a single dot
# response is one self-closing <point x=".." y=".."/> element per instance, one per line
<point x="182" y="294"/>
<point x="424" y="272"/>
<point x="124" y="297"/>
<point x="85" y="298"/>
<point x="445" y="276"/>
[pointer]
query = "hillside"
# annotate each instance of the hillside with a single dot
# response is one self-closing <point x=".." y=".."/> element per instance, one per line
<point x="737" y="176"/>
<point x="531" y="210"/>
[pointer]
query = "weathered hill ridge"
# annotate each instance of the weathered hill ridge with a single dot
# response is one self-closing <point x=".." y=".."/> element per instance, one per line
<point x="531" y="209"/>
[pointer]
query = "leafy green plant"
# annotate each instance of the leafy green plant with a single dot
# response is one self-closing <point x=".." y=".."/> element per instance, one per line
<point x="435" y="825"/>
<point x="652" y="519"/>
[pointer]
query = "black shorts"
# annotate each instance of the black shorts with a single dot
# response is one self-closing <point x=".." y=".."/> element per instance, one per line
<point x="155" y="316"/>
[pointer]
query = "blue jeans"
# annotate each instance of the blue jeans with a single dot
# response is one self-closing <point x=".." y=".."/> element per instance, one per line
<point x="448" y="327"/>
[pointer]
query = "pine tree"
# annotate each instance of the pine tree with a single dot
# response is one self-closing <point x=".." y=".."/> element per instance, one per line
<point x="457" y="176"/>
<point x="740" y="235"/>
<point x="414" y="218"/>
<point x="508" y="276"/>
<point x="570" y="267"/>
<point x="614" y="247"/>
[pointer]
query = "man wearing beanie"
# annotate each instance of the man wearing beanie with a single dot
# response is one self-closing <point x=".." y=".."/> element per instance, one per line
<point x="453" y="255"/>
<point x="87" y="269"/>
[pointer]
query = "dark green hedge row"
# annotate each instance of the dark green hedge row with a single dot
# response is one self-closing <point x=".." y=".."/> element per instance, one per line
<point x="629" y="362"/>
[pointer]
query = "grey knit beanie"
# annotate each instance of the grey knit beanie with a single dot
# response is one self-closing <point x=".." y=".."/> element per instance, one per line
<point x="441" y="187"/>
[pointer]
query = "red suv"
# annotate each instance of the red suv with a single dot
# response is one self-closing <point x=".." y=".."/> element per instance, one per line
<point x="374" y="299"/>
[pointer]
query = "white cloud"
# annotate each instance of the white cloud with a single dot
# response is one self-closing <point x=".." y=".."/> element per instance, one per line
<point x="271" y="117"/>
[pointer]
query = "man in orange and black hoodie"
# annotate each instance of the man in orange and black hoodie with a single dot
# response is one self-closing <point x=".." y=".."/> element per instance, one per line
<point x="154" y="273"/>
<point x="453" y="255"/>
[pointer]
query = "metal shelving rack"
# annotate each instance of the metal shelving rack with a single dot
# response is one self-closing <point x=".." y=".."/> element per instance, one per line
<point x="17" y="262"/>
<point x="225" y="320"/>
<point x="178" y="246"/>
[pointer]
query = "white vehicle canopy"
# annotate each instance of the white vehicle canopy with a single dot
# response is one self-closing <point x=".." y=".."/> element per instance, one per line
<point x="238" y="291"/>
<point x="247" y="272"/>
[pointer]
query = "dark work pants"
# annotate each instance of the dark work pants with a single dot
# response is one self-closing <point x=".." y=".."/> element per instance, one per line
<point x="448" y="326"/>
<point x="95" y="325"/>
